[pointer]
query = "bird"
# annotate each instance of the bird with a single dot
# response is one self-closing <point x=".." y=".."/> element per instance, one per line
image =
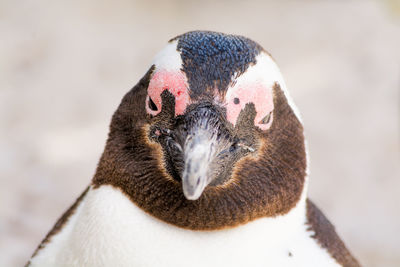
<point x="205" y="164"/>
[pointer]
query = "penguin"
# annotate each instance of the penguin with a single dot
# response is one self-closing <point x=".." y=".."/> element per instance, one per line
<point x="205" y="165"/>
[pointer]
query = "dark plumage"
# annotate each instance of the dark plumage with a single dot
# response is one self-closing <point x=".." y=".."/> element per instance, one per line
<point x="212" y="59"/>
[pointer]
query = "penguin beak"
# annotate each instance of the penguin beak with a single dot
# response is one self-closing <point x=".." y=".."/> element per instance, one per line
<point x="198" y="155"/>
<point x="206" y="138"/>
<point x="199" y="147"/>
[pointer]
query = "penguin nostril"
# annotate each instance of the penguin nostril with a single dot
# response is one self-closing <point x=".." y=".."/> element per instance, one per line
<point x="152" y="105"/>
<point x="233" y="147"/>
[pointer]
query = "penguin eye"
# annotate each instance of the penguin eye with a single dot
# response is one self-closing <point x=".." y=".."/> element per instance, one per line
<point x="172" y="81"/>
<point x="266" y="119"/>
<point x="258" y="93"/>
<point x="152" y="105"/>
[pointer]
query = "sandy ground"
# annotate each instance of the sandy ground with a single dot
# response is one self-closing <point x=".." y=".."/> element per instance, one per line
<point x="65" y="66"/>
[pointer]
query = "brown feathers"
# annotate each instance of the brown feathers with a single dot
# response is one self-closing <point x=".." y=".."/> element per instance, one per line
<point x="327" y="238"/>
<point x="269" y="184"/>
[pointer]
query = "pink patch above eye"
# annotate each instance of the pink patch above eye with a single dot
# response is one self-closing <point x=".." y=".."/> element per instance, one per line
<point x="174" y="82"/>
<point x="258" y="94"/>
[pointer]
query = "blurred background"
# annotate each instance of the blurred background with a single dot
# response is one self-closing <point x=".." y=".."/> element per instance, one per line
<point x="65" y="65"/>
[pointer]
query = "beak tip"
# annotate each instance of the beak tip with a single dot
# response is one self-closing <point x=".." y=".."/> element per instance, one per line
<point x="192" y="193"/>
<point x="191" y="197"/>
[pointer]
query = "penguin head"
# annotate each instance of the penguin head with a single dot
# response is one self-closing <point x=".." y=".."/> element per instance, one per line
<point x="210" y="126"/>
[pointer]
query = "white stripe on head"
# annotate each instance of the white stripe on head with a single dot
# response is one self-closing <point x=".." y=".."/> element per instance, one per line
<point x="267" y="73"/>
<point x="168" y="58"/>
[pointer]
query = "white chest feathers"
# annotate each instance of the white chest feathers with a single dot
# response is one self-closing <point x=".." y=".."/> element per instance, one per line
<point x="107" y="229"/>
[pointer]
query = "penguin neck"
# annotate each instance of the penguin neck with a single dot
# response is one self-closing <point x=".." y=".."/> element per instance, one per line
<point x="218" y="207"/>
<point x="287" y="222"/>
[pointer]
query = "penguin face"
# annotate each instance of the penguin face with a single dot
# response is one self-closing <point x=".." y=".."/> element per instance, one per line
<point x="210" y="122"/>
